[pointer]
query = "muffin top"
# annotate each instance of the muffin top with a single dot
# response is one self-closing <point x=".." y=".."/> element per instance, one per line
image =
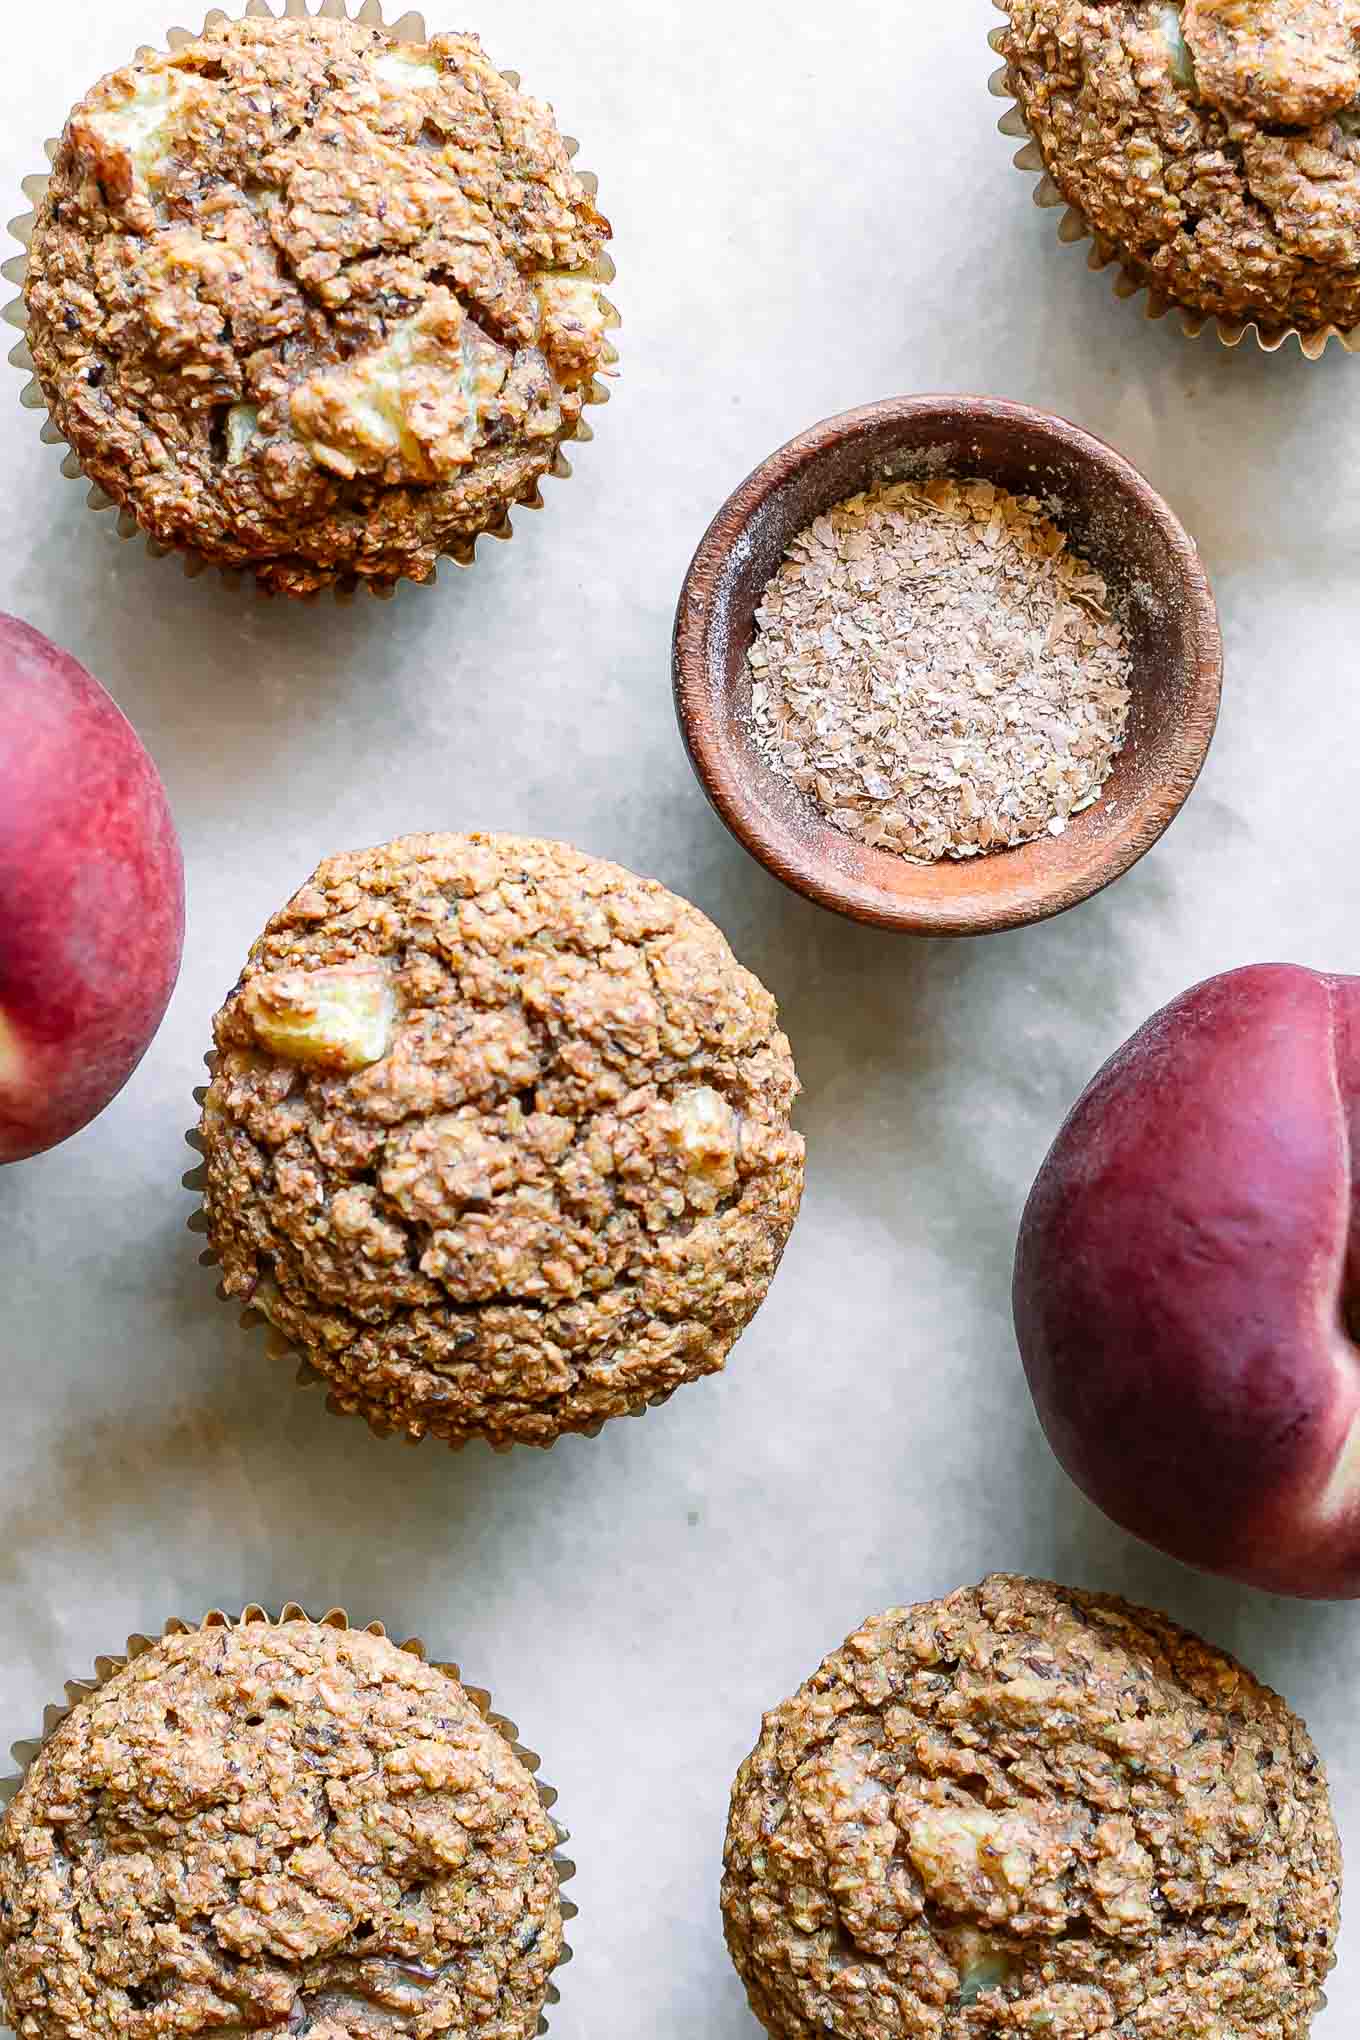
<point x="499" y="1137"/>
<point x="281" y="1830"/>
<point x="1215" y="145"/>
<point x="313" y="301"/>
<point x="1027" y="1810"/>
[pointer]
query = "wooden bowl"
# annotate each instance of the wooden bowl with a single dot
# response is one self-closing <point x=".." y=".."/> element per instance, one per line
<point x="1112" y="516"/>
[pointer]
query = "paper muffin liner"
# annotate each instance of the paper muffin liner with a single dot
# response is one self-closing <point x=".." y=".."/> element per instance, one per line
<point x="341" y="1402"/>
<point x="78" y="1691"/>
<point x="409" y="27"/>
<point x="1074" y="227"/>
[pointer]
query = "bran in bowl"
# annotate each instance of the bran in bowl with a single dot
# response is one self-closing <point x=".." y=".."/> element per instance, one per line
<point x="307" y="300"/>
<point x="1026" y="1810"/>
<point x="939" y="672"/>
<point x="498" y="1138"/>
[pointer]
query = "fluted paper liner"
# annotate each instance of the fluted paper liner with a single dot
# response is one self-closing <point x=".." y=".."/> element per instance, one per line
<point x="1074" y="227"/>
<point x="78" y="1691"/>
<point x="280" y="1348"/>
<point x="410" y="27"/>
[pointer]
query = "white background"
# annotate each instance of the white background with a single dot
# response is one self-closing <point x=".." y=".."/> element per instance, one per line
<point x="813" y="209"/>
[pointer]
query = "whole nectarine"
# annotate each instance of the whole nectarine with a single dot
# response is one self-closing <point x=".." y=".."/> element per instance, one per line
<point x="91" y="896"/>
<point x="1188" y="1277"/>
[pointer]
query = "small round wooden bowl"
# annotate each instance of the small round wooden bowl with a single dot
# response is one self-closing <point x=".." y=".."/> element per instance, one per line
<point x="1112" y="516"/>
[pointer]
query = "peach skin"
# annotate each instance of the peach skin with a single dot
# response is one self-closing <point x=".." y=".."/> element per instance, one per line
<point x="1187" y="1283"/>
<point x="91" y="896"/>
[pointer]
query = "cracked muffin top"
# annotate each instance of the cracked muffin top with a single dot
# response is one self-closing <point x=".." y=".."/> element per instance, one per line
<point x="1024" y="1811"/>
<point x="499" y="1138"/>
<point x="315" y="302"/>
<point x="1214" y="145"/>
<point x="281" y="1830"/>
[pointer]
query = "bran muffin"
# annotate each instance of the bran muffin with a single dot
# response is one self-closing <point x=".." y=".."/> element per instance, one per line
<point x="311" y="301"/>
<point x="1028" y="1810"/>
<point x="279" y="1829"/>
<point x="1213" y="147"/>
<point x="498" y="1138"/>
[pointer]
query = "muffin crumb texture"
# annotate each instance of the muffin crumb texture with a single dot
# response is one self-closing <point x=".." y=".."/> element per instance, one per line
<point x="499" y="1138"/>
<point x="1213" y="146"/>
<point x="280" y="1830"/>
<point x="310" y="301"/>
<point x="1029" y="1811"/>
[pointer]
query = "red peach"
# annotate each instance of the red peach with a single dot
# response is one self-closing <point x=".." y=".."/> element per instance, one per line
<point x="91" y="896"/>
<point x="1187" y="1285"/>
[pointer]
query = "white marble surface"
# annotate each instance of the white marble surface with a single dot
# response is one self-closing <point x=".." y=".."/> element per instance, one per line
<point x="813" y="209"/>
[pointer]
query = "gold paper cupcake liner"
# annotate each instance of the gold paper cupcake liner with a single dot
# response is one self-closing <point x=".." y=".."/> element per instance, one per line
<point x="410" y="27"/>
<point x="78" y="1691"/>
<point x="1074" y="227"/>
<point x="341" y="1402"/>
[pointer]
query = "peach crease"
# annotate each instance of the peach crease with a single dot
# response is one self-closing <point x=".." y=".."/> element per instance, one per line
<point x="12" y="1061"/>
<point x="1342" y="1492"/>
<point x="410" y="27"/>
